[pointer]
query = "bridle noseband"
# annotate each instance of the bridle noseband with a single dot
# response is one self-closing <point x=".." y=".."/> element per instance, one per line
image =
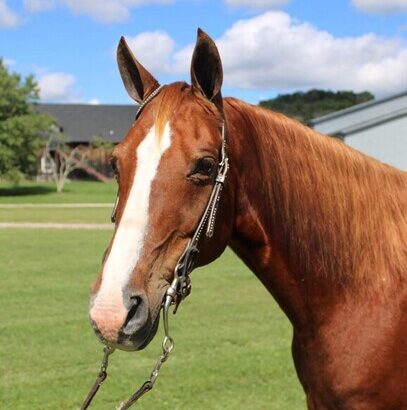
<point x="181" y="284"/>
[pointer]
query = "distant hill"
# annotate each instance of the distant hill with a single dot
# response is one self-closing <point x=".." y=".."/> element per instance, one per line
<point x="305" y="106"/>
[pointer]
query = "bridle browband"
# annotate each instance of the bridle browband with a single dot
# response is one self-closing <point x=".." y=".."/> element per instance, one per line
<point x="181" y="284"/>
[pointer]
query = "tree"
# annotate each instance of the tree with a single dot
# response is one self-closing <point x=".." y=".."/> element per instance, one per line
<point x="307" y="105"/>
<point x="64" y="159"/>
<point x="21" y="127"/>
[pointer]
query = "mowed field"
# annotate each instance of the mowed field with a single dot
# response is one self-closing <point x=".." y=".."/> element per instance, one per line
<point x="232" y="342"/>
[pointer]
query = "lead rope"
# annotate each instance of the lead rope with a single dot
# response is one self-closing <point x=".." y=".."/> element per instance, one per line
<point x="101" y="377"/>
<point x="167" y="346"/>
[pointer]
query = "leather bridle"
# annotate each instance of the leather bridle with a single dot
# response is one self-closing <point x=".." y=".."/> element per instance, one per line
<point x="181" y="284"/>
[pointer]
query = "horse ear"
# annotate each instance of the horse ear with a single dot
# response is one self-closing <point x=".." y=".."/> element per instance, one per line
<point x="206" y="67"/>
<point x="138" y="82"/>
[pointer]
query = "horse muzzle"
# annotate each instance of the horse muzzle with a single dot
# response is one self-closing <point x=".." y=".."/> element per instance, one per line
<point x="123" y="324"/>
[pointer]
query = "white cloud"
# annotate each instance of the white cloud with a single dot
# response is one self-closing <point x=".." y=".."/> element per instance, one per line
<point x="105" y="11"/>
<point x="58" y="87"/>
<point x="275" y="51"/>
<point x="153" y="49"/>
<point x="94" y="101"/>
<point x="7" y="18"/>
<point x="272" y="51"/>
<point x="381" y="6"/>
<point x="257" y="4"/>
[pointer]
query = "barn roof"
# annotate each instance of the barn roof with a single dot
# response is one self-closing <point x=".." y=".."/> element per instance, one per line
<point x="81" y="122"/>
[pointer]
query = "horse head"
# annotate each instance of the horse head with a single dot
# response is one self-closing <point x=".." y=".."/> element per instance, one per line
<point x="166" y="168"/>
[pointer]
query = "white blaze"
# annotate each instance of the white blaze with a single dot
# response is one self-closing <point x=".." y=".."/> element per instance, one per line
<point x="128" y="242"/>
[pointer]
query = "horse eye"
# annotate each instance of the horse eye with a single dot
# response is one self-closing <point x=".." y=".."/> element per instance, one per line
<point x="204" y="166"/>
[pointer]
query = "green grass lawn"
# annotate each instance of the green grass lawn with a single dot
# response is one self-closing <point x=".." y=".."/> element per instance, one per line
<point x="232" y="341"/>
<point x="44" y="192"/>
<point x="64" y="215"/>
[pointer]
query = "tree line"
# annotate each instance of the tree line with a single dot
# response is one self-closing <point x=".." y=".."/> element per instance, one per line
<point x="304" y="106"/>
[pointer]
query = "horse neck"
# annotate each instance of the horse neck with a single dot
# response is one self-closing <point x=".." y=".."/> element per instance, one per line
<point x="312" y="215"/>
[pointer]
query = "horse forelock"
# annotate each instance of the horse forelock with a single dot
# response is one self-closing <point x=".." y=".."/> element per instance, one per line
<point x="335" y="211"/>
<point x="169" y="99"/>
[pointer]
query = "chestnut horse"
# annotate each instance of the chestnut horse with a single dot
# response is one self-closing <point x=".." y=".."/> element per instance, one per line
<point x="322" y="226"/>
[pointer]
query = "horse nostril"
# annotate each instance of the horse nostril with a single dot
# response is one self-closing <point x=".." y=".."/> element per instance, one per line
<point x="135" y="302"/>
<point x="137" y="315"/>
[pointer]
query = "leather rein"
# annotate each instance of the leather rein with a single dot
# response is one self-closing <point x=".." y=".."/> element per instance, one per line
<point x="181" y="284"/>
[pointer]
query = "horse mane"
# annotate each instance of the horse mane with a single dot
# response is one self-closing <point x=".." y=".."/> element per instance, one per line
<point x="334" y="211"/>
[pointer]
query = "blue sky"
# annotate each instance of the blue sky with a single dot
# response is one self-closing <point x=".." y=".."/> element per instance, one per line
<point x="267" y="46"/>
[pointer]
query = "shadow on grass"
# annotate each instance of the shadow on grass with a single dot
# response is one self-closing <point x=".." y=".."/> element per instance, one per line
<point x="26" y="190"/>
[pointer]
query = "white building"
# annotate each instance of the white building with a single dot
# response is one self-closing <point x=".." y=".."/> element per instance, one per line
<point x="378" y="128"/>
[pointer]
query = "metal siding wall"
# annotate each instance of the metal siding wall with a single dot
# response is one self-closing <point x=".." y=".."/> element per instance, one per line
<point x="336" y="124"/>
<point x="386" y="142"/>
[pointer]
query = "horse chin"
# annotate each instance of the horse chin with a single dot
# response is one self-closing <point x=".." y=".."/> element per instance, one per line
<point x="152" y="333"/>
<point x="141" y="339"/>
